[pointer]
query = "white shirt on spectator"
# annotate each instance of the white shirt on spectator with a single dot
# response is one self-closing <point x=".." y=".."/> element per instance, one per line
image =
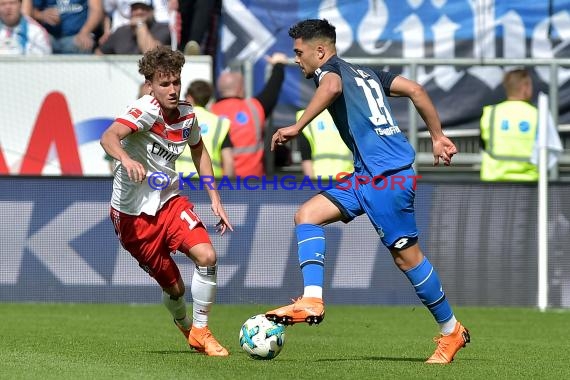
<point x="26" y="38"/>
<point x="120" y="12"/>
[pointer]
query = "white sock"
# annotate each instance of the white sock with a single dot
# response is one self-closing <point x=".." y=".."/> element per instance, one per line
<point x="447" y="328"/>
<point x="203" y="293"/>
<point x="313" y="291"/>
<point x="176" y="307"/>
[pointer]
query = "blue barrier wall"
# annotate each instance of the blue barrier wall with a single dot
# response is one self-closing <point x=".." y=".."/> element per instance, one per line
<point x="58" y="245"/>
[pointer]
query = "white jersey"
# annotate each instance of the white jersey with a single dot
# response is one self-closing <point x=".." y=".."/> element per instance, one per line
<point x="26" y="38"/>
<point x="156" y="143"/>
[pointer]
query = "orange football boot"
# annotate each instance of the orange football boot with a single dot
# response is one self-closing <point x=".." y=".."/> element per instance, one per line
<point x="448" y="345"/>
<point x="202" y="340"/>
<point x="303" y="309"/>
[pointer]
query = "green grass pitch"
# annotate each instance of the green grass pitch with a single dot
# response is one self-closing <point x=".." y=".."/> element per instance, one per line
<point x="101" y="341"/>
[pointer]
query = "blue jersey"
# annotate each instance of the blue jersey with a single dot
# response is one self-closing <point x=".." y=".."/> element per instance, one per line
<point x="72" y="13"/>
<point x="364" y="118"/>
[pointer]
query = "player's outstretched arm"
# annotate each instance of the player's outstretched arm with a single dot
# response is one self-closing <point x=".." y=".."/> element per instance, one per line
<point x="443" y="148"/>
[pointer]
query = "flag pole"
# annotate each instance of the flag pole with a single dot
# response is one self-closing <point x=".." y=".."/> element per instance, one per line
<point x="542" y="202"/>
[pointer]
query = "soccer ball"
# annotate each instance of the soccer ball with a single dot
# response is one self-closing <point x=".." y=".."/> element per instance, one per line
<point x="262" y="338"/>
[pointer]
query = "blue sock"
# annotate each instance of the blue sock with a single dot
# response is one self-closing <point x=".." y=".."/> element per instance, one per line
<point x="428" y="287"/>
<point x="311" y="250"/>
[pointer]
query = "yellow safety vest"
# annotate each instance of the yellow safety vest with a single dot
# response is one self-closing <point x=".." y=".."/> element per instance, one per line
<point x="509" y="132"/>
<point x="329" y="153"/>
<point x="214" y="130"/>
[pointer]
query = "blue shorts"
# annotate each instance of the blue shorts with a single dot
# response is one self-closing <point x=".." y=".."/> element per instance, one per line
<point x="387" y="200"/>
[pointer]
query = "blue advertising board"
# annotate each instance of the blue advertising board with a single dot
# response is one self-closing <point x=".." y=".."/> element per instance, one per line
<point x="58" y="245"/>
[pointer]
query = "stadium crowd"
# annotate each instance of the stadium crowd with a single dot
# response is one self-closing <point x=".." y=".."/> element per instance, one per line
<point x="133" y="27"/>
<point x="41" y="27"/>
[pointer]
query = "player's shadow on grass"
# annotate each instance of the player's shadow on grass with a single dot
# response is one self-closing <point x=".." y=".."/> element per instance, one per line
<point x="373" y="358"/>
<point x="175" y="352"/>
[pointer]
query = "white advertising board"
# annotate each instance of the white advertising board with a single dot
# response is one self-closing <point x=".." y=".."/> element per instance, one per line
<point x="54" y="109"/>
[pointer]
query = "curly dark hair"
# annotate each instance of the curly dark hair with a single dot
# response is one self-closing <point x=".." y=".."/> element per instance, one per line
<point x="313" y="28"/>
<point x="161" y="59"/>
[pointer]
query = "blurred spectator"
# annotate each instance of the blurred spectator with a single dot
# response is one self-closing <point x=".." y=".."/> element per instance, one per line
<point x="195" y="18"/>
<point x="142" y="33"/>
<point x="214" y="130"/>
<point x="323" y="153"/>
<point x="20" y="34"/>
<point x="247" y="115"/>
<point x="72" y="24"/>
<point x="508" y="132"/>
<point x="118" y="13"/>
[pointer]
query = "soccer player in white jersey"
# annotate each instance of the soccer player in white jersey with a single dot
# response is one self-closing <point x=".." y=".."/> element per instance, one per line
<point x="150" y="216"/>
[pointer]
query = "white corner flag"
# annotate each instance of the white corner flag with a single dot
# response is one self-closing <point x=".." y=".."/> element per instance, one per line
<point x="547" y="136"/>
<point x="547" y="149"/>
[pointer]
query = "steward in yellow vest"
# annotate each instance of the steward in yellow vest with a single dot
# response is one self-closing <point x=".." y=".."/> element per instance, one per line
<point x="214" y="130"/>
<point x="508" y="133"/>
<point x="328" y="155"/>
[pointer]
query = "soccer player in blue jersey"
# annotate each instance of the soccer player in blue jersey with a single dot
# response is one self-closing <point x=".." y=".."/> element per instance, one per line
<point x="356" y="97"/>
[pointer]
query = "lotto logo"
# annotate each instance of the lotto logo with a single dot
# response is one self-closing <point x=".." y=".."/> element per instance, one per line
<point x="401" y="243"/>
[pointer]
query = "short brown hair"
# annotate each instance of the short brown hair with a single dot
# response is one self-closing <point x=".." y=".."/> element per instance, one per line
<point x="201" y="91"/>
<point x="514" y="79"/>
<point x="161" y="59"/>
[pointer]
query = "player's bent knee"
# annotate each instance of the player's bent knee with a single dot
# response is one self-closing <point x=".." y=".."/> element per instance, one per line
<point x="307" y="215"/>
<point x="301" y="216"/>
<point x="406" y="253"/>
<point x="203" y="255"/>
<point x="318" y="210"/>
<point x="206" y="261"/>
